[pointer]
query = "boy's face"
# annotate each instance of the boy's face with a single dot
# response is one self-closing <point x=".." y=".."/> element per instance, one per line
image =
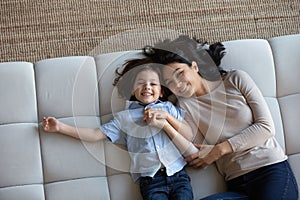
<point x="147" y="88"/>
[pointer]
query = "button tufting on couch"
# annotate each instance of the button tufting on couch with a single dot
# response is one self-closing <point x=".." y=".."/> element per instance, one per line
<point x="78" y="90"/>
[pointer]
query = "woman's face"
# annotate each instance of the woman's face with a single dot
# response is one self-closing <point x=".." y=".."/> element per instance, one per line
<point x="183" y="80"/>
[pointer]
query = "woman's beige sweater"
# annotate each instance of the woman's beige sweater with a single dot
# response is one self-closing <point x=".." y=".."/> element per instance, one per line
<point x="235" y="110"/>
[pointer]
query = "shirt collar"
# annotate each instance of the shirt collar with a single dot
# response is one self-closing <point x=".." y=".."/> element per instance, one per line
<point x="137" y="104"/>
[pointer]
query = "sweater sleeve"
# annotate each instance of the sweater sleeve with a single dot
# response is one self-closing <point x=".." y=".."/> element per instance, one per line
<point x="262" y="127"/>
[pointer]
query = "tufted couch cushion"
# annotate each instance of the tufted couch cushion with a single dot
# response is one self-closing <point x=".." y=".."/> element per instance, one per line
<point x="78" y="90"/>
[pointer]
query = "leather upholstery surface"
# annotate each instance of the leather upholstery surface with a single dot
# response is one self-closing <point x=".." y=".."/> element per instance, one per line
<point x="78" y="90"/>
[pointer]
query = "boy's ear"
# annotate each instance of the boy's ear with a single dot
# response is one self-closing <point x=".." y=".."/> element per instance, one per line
<point x="132" y="92"/>
<point x="161" y="95"/>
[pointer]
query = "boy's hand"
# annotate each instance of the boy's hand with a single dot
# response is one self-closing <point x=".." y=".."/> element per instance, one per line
<point x="153" y="120"/>
<point x="50" y="124"/>
<point x="160" y="114"/>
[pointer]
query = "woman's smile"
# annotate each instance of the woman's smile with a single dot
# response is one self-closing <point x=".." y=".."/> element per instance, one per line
<point x="183" y="87"/>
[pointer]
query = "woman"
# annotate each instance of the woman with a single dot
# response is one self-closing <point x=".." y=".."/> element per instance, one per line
<point x="230" y="118"/>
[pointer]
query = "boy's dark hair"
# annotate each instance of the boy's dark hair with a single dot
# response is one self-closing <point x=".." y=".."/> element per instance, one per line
<point x="186" y="50"/>
<point x="126" y="77"/>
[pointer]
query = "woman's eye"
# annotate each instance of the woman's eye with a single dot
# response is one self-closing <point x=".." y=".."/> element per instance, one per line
<point x="169" y="83"/>
<point x="179" y="74"/>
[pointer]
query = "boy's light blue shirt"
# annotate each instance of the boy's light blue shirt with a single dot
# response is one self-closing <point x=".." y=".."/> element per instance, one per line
<point x="149" y="147"/>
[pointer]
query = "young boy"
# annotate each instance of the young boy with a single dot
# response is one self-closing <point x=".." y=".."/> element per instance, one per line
<point x="149" y="128"/>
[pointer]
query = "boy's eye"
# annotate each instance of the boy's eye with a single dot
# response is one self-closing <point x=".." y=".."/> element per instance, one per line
<point x="145" y="83"/>
<point x="140" y="83"/>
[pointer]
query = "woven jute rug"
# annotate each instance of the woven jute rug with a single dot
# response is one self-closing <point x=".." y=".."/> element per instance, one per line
<point x="32" y="30"/>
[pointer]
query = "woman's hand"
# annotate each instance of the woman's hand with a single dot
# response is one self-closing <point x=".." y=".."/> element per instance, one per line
<point x="50" y="124"/>
<point x="208" y="154"/>
<point x="201" y="159"/>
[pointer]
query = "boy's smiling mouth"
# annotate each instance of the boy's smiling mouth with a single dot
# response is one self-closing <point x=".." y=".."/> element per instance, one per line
<point x="147" y="94"/>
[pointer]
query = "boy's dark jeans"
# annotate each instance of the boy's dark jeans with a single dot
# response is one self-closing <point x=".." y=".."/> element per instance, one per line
<point x="161" y="186"/>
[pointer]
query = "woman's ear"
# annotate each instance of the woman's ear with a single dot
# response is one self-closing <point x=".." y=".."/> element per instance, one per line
<point x="195" y="66"/>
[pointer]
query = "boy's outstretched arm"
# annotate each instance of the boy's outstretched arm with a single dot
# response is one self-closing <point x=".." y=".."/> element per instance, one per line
<point x="51" y="124"/>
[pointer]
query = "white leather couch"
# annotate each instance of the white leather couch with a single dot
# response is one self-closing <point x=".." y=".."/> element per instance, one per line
<point x="35" y="165"/>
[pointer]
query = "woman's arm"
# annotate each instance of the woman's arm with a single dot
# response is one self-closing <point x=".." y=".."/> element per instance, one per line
<point x="262" y="127"/>
<point x="181" y="126"/>
<point x="51" y="124"/>
<point x="185" y="146"/>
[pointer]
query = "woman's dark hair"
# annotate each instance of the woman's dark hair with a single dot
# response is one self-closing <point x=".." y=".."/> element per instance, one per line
<point x="126" y="76"/>
<point x="186" y="50"/>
